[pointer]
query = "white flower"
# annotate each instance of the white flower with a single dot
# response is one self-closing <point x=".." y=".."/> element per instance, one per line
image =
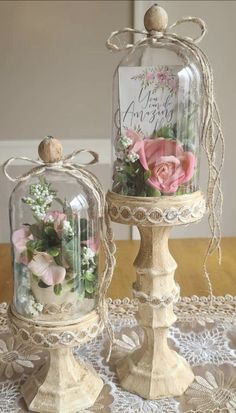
<point x="88" y="254"/>
<point x="125" y="142"/>
<point x="49" y="219"/>
<point x="67" y="230"/>
<point x="120" y="155"/>
<point x="132" y="157"/>
<point x="207" y="346"/>
<point x="40" y="215"/>
<point x="32" y="307"/>
<point x="13" y="359"/>
<point x="213" y="393"/>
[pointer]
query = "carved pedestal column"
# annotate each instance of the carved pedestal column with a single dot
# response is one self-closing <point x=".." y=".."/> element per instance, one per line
<point x="62" y="384"/>
<point x="154" y="370"/>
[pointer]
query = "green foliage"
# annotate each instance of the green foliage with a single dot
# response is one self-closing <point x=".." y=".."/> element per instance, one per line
<point x="41" y="284"/>
<point x="166" y="132"/>
<point x="38" y="246"/>
<point x="57" y="289"/>
<point x="67" y="247"/>
<point x="54" y="252"/>
<point x="69" y="251"/>
<point x="150" y="191"/>
<point x="89" y="287"/>
<point x="146" y="175"/>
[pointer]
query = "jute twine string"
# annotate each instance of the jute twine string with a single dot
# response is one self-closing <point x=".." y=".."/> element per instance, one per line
<point x="212" y="139"/>
<point x="80" y="173"/>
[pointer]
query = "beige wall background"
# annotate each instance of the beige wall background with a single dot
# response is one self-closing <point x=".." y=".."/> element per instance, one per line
<point x="56" y="78"/>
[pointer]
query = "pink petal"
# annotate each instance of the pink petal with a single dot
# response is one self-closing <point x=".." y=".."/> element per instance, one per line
<point x="188" y="165"/>
<point x="20" y="238"/>
<point x="44" y="266"/>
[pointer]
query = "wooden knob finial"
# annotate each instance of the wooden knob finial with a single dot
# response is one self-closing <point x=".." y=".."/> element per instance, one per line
<point x="50" y="150"/>
<point x="156" y="19"/>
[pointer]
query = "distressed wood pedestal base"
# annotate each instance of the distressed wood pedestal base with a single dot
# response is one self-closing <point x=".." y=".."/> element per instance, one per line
<point x="62" y="384"/>
<point x="154" y="370"/>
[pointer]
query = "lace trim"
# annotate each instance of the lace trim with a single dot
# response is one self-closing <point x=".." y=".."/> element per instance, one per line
<point x="206" y="336"/>
<point x="163" y="302"/>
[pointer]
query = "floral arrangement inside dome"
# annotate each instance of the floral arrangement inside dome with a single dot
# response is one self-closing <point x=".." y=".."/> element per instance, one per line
<point x="153" y="166"/>
<point x="55" y="253"/>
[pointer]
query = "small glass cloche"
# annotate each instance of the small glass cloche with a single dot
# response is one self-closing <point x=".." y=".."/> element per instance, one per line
<point x="55" y="232"/>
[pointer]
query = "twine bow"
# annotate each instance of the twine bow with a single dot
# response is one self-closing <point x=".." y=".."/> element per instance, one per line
<point x="65" y="164"/>
<point x="154" y="35"/>
<point x="212" y="139"/>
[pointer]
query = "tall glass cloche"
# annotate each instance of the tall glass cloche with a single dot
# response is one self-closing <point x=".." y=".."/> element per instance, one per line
<point x="157" y="110"/>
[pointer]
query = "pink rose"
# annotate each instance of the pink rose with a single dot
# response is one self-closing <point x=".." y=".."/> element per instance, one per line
<point x="44" y="266"/>
<point x="166" y="160"/>
<point x="20" y="237"/>
<point x="58" y="220"/>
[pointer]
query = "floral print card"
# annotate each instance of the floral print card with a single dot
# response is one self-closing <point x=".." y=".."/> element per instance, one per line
<point x="155" y="142"/>
<point x="148" y="98"/>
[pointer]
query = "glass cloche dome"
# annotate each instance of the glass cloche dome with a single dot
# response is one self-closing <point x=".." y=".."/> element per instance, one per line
<point x="55" y="233"/>
<point x="157" y="110"/>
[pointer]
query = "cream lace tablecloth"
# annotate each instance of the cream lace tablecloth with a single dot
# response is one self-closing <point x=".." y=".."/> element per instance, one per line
<point x="205" y="336"/>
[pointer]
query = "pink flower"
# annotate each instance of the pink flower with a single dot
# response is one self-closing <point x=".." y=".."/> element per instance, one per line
<point x="149" y="76"/>
<point x="44" y="266"/>
<point x="172" y="84"/>
<point x="162" y="76"/>
<point x="20" y="237"/>
<point x="166" y="160"/>
<point x="92" y="243"/>
<point x="58" y="219"/>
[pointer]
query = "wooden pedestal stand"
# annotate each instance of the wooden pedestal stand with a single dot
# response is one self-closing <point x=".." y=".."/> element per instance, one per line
<point x="154" y="370"/>
<point x="62" y="385"/>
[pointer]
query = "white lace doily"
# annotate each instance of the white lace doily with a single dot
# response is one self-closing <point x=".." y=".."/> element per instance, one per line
<point x="205" y="336"/>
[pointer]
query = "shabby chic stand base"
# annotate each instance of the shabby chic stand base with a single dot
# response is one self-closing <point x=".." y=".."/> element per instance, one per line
<point x="62" y="384"/>
<point x="153" y="370"/>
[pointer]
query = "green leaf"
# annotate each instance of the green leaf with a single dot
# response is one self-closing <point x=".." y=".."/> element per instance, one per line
<point x="120" y="177"/>
<point x="54" y="252"/>
<point x="89" y="288"/>
<point x="71" y="253"/>
<point x="35" y="277"/>
<point x="90" y="276"/>
<point x="150" y="191"/>
<point x="50" y="231"/>
<point x="57" y="289"/>
<point x="41" y="284"/>
<point x="147" y="175"/>
<point x="36" y="230"/>
<point x="33" y="246"/>
<point x="188" y="146"/>
<point x="165" y="132"/>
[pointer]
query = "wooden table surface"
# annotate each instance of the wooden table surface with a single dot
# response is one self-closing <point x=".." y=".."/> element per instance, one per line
<point x="188" y="253"/>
